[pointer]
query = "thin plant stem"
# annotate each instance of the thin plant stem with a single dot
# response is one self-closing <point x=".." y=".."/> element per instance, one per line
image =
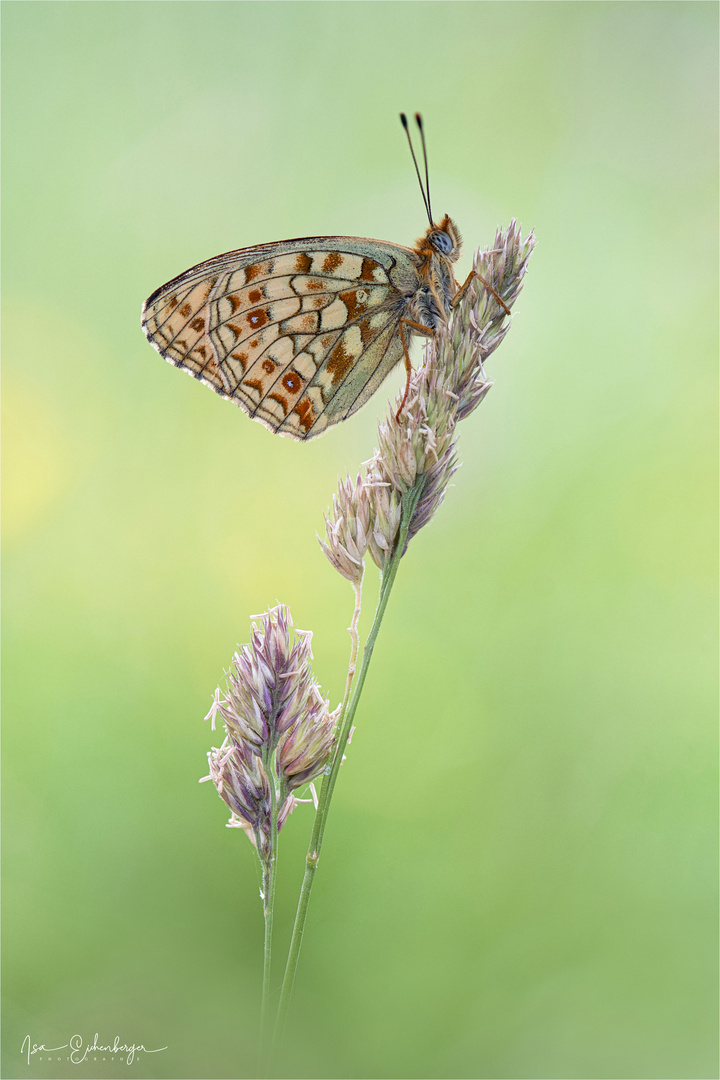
<point x="269" y="878"/>
<point x="354" y="641"/>
<point x="345" y="723"/>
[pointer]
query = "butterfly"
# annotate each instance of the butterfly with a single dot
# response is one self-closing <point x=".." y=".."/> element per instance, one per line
<point x="300" y="333"/>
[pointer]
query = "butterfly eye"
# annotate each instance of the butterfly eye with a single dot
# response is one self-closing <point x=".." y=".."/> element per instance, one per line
<point x="441" y="242"/>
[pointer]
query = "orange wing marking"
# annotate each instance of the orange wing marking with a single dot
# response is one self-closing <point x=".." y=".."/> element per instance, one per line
<point x="258" y="318"/>
<point x="339" y="363"/>
<point x="331" y="262"/>
<point x="292" y="382"/>
<point x="306" y="413"/>
<point x="368" y="266"/>
<point x="354" y="306"/>
<point x="282" y="402"/>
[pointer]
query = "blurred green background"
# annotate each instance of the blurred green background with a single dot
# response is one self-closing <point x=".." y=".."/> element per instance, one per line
<point x="519" y="873"/>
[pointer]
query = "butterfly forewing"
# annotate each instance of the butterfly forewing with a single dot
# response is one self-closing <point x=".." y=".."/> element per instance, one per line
<point x="298" y="333"/>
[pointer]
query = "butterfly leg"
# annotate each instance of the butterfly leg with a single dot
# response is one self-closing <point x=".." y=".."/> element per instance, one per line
<point x="463" y="289"/>
<point x="427" y="331"/>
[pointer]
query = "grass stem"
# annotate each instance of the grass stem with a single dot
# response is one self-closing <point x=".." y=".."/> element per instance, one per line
<point x="345" y="723"/>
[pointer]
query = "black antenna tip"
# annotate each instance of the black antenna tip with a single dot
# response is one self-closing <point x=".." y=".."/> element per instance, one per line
<point x="418" y="120"/>
<point x="403" y="120"/>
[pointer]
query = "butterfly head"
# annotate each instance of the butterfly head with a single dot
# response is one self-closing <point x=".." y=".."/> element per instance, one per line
<point x="444" y="239"/>
<point x="441" y="240"/>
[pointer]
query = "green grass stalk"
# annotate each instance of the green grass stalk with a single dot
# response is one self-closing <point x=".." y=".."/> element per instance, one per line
<point x="345" y="723"/>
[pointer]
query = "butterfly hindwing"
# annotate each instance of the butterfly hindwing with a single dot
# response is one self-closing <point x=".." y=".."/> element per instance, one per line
<point x="298" y="333"/>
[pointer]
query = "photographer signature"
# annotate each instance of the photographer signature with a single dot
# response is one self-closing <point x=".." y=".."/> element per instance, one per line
<point x="80" y="1050"/>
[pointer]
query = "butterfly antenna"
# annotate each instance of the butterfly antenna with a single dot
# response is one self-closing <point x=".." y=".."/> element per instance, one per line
<point x="403" y="121"/>
<point x="418" y="121"/>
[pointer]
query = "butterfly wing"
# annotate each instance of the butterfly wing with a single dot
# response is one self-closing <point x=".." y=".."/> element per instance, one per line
<point x="299" y="333"/>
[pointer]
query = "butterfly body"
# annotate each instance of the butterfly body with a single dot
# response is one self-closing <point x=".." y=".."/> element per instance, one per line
<point x="300" y="333"/>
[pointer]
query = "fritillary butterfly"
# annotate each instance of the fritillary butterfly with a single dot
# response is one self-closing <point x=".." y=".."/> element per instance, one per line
<point x="300" y="333"/>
